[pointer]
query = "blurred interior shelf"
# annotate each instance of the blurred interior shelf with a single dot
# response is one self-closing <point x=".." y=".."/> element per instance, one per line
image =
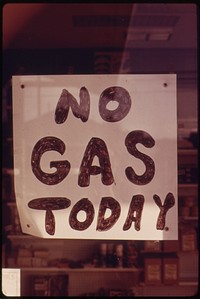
<point x="80" y="270"/>
<point x="188" y="152"/>
<point x="188" y="186"/>
<point x="180" y="283"/>
<point x="21" y="236"/>
<point x="188" y="283"/>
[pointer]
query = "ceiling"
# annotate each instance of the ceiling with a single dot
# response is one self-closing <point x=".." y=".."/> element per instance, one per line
<point x="100" y="25"/>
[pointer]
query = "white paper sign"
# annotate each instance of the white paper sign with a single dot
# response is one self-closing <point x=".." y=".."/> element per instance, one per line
<point x="95" y="156"/>
<point x="11" y="282"/>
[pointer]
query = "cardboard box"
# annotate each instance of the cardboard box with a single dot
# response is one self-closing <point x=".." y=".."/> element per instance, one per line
<point x="153" y="271"/>
<point x="170" y="270"/>
<point x="152" y="246"/>
<point x="24" y="262"/>
<point x="171" y="246"/>
<point x="188" y="240"/>
<point x="24" y="252"/>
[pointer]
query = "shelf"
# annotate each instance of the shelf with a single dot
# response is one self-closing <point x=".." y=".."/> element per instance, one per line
<point x="188" y="186"/>
<point x="187" y="152"/>
<point x="189" y="218"/>
<point x="181" y="252"/>
<point x="179" y="283"/>
<point x="81" y="270"/>
<point x="16" y="237"/>
<point x="188" y="283"/>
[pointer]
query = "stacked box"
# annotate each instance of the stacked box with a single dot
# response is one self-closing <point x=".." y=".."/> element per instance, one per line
<point x="50" y="285"/>
<point x="152" y="246"/>
<point x="153" y="271"/>
<point x="188" y="239"/>
<point x="187" y="174"/>
<point x="170" y="246"/>
<point x="170" y="270"/>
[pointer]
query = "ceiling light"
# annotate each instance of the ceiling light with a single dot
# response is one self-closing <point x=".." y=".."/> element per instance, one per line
<point x="159" y="36"/>
<point x="149" y="33"/>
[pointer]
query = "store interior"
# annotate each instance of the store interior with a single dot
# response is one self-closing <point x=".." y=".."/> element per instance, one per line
<point x="90" y="39"/>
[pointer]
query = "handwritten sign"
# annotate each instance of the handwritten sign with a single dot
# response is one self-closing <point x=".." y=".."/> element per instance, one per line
<point x="95" y="156"/>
